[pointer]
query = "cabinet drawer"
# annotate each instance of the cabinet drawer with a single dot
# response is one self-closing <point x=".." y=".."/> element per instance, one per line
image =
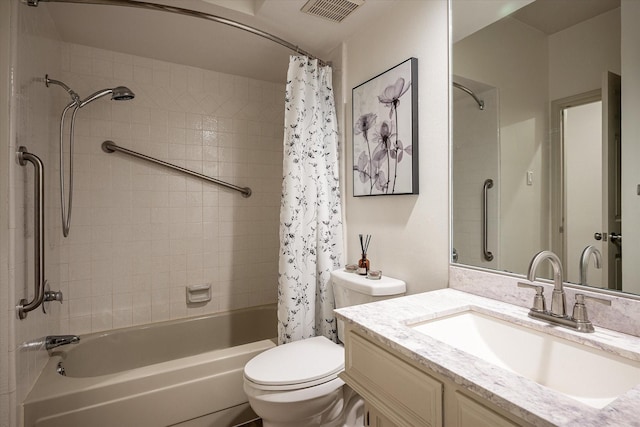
<point x="402" y="393"/>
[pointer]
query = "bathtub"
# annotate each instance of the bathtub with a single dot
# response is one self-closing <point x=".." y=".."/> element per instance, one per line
<point x="186" y="372"/>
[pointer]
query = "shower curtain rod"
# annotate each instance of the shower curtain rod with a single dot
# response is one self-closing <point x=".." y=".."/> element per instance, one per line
<point x="187" y="12"/>
<point x="470" y="92"/>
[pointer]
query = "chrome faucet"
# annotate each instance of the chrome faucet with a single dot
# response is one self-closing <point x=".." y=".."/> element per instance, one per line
<point x="584" y="261"/>
<point x="558" y="299"/>
<point x="53" y="341"/>
<point x="579" y="321"/>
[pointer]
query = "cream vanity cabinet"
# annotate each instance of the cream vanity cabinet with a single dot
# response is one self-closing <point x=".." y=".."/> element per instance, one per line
<point x="399" y="393"/>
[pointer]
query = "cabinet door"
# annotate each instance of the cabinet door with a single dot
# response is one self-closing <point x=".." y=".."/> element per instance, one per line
<point x="472" y="414"/>
<point x="404" y="394"/>
<point x="373" y="418"/>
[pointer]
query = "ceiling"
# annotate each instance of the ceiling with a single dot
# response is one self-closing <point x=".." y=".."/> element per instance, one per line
<point x="551" y="16"/>
<point x="210" y="45"/>
<point x="547" y="16"/>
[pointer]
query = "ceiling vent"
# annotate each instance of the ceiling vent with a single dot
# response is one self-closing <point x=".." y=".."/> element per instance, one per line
<point x="333" y="10"/>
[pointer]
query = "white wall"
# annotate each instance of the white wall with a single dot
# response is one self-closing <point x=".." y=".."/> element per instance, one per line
<point x="630" y="145"/>
<point x="579" y="55"/>
<point x="513" y="58"/>
<point x="410" y="233"/>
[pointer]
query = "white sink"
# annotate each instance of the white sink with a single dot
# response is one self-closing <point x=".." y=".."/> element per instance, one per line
<point x="590" y="375"/>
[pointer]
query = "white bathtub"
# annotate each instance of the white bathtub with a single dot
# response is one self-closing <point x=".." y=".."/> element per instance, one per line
<point x="186" y="372"/>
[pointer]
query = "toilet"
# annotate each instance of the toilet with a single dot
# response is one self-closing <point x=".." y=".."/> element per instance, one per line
<point x="297" y="384"/>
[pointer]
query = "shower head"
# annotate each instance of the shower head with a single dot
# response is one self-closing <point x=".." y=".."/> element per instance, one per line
<point x="120" y="93"/>
<point x="74" y="96"/>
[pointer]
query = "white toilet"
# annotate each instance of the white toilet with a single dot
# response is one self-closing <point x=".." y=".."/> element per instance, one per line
<point x="297" y="384"/>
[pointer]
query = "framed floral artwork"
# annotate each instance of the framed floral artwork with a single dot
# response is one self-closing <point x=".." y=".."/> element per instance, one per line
<point x="385" y="133"/>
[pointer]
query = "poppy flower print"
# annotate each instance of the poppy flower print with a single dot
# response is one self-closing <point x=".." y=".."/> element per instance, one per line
<point x="385" y="151"/>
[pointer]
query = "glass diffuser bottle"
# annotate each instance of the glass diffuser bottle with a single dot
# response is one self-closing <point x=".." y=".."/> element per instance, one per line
<point x="363" y="264"/>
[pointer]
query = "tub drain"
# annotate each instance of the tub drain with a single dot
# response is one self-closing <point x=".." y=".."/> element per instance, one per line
<point x="60" y="369"/>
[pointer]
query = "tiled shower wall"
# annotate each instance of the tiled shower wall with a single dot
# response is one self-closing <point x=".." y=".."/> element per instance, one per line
<point x="141" y="234"/>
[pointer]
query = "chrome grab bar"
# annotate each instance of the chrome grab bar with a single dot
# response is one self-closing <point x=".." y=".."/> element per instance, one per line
<point x="110" y="147"/>
<point x="488" y="183"/>
<point x="26" y="306"/>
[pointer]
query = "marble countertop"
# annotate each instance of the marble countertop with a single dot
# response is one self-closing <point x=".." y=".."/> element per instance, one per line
<point x="386" y="322"/>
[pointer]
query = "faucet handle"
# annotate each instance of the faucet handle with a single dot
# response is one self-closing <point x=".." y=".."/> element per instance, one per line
<point x="580" y="309"/>
<point x="581" y="297"/>
<point x="539" y="303"/>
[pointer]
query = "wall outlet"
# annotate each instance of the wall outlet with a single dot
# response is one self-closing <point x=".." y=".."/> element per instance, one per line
<point x="529" y="177"/>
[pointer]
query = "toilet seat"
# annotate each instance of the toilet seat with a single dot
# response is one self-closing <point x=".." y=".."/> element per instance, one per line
<point x="296" y="365"/>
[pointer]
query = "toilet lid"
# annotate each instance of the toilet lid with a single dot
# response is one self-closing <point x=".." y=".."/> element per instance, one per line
<point x="297" y="363"/>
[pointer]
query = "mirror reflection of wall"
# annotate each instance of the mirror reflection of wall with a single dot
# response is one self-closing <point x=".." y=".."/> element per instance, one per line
<point x="476" y="151"/>
<point x="546" y="51"/>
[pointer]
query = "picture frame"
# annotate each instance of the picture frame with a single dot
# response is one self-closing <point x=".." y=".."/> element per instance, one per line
<point x="385" y="132"/>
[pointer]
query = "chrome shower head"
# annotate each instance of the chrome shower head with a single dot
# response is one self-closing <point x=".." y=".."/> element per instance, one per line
<point x="120" y="93"/>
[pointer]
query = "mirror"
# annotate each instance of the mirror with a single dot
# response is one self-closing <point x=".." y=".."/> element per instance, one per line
<point x="545" y="105"/>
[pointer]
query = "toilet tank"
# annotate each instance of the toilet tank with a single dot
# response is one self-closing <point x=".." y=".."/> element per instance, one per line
<point x="353" y="289"/>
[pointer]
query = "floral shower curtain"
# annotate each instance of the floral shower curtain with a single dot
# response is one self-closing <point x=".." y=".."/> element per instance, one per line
<point x="311" y="212"/>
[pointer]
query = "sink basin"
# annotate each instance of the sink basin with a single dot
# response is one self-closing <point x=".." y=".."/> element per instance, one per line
<point x="590" y="375"/>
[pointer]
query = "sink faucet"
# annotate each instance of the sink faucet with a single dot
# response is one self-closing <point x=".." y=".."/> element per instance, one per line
<point x="53" y="341"/>
<point x="558" y="299"/>
<point x="579" y="321"/>
<point x="584" y="261"/>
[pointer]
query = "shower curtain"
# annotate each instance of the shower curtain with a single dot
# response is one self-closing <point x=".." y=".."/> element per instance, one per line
<point x="311" y="212"/>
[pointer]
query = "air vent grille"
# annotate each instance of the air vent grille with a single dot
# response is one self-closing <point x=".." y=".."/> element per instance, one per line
<point x="333" y="10"/>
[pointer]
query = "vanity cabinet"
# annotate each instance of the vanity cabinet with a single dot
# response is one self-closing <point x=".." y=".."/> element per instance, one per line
<point x="401" y="393"/>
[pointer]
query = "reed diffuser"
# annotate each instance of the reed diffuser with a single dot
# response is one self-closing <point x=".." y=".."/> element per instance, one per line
<point x="363" y="264"/>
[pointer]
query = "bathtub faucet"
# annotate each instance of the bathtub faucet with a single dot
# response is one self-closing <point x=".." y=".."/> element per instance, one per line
<point x="53" y="341"/>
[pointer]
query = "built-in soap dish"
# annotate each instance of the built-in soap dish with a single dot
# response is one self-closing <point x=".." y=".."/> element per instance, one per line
<point x="197" y="294"/>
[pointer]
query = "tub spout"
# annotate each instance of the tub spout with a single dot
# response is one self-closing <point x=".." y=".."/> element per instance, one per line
<point x="53" y="341"/>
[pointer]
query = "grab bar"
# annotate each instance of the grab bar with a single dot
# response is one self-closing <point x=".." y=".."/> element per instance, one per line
<point x="26" y="306"/>
<point x="488" y="183"/>
<point x="110" y="147"/>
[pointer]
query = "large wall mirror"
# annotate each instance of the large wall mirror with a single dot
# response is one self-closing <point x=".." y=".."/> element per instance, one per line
<point x="546" y="141"/>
